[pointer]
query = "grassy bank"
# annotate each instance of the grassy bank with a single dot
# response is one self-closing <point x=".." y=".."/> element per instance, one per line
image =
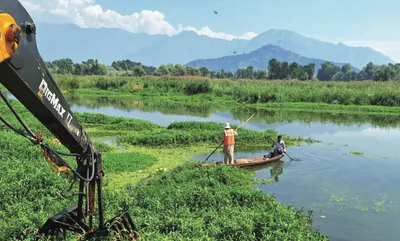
<point x="178" y="203"/>
<point x="192" y="203"/>
<point x="189" y="133"/>
<point x="367" y="93"/>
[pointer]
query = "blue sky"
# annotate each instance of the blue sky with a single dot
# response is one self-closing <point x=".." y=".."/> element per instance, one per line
<point x="353" y="22"/>
<point x="330" y="19"/>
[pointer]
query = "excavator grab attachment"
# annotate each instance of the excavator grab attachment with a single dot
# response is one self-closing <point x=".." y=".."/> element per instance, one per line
<point x="24" y="73"/>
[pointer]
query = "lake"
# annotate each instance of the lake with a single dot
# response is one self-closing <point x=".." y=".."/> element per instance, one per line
<point x="349" y="179"/>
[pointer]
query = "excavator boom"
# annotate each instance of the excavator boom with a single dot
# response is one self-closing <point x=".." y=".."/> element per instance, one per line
<point x="24" y="74"/>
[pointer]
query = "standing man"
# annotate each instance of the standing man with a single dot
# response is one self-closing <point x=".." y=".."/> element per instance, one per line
<point x="280" y="146"/>
<point x="229" y="143"/>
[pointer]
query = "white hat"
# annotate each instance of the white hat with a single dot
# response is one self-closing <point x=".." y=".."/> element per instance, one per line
<point x="227" y="125"/>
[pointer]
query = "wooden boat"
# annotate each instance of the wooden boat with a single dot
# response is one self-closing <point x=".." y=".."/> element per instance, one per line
<point x="246" y="162"/>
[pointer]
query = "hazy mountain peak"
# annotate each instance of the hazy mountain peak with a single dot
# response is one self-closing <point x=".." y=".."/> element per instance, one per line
<point x="258" y="58"/>
<point x="110" y="44"/>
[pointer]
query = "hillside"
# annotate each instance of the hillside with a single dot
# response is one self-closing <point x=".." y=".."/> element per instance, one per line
<point x="258" y="59"/>
<point x="181" y="48"/>
<point x="108" y="45"/>
<point x="312" y="48"/>
<point x="56" y="41"/>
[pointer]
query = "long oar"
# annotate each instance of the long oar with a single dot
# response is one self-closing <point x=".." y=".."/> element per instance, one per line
<point x="291" y="159"/>
<point x="235" y="130"/>
<point x="246" y="121"/>
<point x="214" y="151"/>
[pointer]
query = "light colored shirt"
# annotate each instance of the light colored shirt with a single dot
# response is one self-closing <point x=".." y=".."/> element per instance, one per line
<point x="280" y="145"/>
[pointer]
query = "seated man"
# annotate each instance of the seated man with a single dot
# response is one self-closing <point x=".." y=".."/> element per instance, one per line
<point x="279" y="149"/>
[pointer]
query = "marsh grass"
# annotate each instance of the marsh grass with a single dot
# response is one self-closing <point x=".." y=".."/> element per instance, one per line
<point x="193" y="203"/>
<point x="250" y="91"/>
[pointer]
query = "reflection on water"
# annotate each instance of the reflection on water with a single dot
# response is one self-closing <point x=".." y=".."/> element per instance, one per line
<point x="128" y="106"/>
<point x="275" y="169"/>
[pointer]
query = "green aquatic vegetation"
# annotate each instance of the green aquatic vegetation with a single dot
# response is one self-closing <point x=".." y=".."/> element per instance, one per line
<point x="115" y="123"/>
<point x="167" y="137"/>
<point x="357" y="203"/>
<point x="378" y="206"/>
<point x="29" y="189"/>
<point x="117" y="162"/>
<point x="102" y="147"/>
<point x="215" y="203"/>
<point x="357" y="153"/>
<point x="186" y="202"/>
<point x="267" y="181"/>
<point x="250" y="91"/>
<point x="167" y="158"/>
<point x="335" y="198"/>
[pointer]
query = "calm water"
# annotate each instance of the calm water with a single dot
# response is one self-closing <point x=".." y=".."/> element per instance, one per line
<point x="353" y="197"/>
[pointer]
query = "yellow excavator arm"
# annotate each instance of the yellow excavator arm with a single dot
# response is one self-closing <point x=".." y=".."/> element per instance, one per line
<point x="25" y="75"/>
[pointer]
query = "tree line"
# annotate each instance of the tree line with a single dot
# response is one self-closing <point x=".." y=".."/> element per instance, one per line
<point x="276" y="70"/>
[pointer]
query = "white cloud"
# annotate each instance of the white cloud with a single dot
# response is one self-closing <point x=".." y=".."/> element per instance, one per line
<point x="31" y="7"/>
<point x="248" y="35"/>
<point x="88" y="14"/>
<point x="389" y="48"/>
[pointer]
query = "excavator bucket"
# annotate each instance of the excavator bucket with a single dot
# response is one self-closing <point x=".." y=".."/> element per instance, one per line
<point x="121" y="228"/>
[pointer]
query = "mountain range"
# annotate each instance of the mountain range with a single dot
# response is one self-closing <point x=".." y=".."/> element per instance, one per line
<point x="259" y="59"/>
<point x="56" y="41"/>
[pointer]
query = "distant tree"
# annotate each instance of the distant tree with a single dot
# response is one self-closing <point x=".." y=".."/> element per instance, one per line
<point x="261" y="74"/>
<point x="212" y="74"/>
<point x="249" y="72"/>
<point x="327" y="71"/>
<point x="64" y="66"/>
<point x="284" y="70"/>
<point x="350" y="75"/>
<point x="50" y="65"/>
<point x="241" y="74"/>
<point x="99" y="69"/>
<point x="229" y="75"/>
<point x="302" y="74"/>
<point x="273" y="69"/>
<point x="361" y="75"/>
<point x="339" y="76"/>
<point x="310" y="69"/>
<point x="369" y="71"/>
<point x="297" y="71"/>
<point x="138" y="71"/>
<point x="78" y="69"/>
<point x="149" y="69"/>
<point x="346" y="68"/>
<point x="180" y="70"/>
<point x="221" y="74"/>
<point x="384" y="73"/>
<point x="293" y="70"/>
<point x="192" y="71"/>
<point x="204" y="72"/>
<point x="162" y="70"/>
